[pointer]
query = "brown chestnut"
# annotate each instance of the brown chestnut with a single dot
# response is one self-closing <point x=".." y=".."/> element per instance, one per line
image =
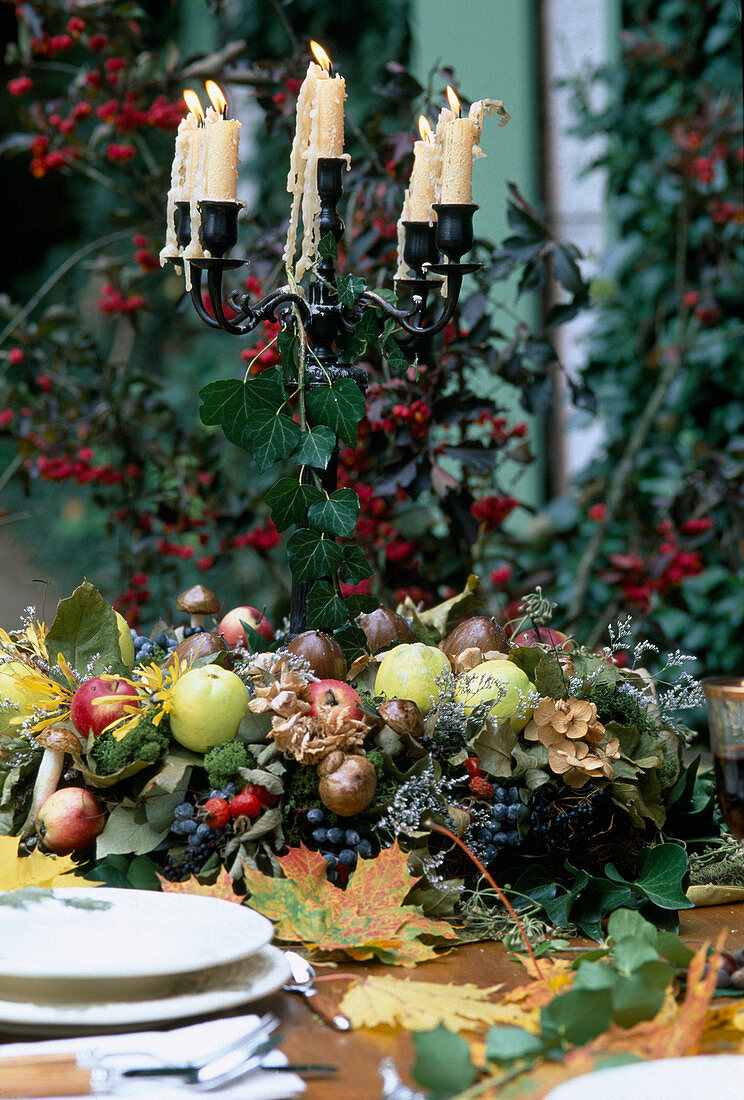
<point x="201" y="645"/>
<point x="403" y="716"/>
<point x="322" y="652"/>
<point x="350" y="788"/>
<point x="479" y="632"/>
<point x="384" y="627"/>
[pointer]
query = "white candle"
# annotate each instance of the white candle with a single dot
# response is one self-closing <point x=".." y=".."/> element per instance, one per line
<point x="424" y="176"/>
<point x="458" y="138"/>
<point x="220" y="179"/>
<point x="184" y="168"/>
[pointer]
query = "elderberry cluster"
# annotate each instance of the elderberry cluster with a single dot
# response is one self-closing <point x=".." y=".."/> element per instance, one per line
<point x="566" y="825"/>
<point x="201" y="839"/>
<point x="341" y="847"/>
<point x="493" y="829"/>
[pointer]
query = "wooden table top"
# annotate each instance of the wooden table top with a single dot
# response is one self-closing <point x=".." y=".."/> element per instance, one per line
<point x="358" y="1053"/>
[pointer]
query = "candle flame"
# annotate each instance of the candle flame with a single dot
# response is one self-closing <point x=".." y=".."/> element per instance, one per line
<point x="216" y="96"/>
<point x="321" y="56"/>
<point x="454" y="102"/>
<point x="191" y="100"/>
<point x="425" y="129"/>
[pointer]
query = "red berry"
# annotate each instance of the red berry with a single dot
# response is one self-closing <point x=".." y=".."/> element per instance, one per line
<point x="245" y="805"/>
<point x="472" y="766"/>
<point x="265" y="797"/>
<point x="480" y="787"/>
<point x="218" y="812"/>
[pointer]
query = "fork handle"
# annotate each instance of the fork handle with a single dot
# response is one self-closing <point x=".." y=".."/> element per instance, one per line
<point x="327" y="1009"/>
<point x="43" y="1075"/>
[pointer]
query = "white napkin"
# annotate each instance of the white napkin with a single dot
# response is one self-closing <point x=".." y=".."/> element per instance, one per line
<point x="178" y="1047"/>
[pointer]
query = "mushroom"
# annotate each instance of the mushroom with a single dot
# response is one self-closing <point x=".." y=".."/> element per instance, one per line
<point x="197" y="602"/>
<point x="57" y="742"/>
<point x="404" y="725"/>
<point x="348" y="788"/>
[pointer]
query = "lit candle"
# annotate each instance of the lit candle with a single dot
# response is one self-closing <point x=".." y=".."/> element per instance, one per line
<point x="220" y="179"/>
<point x="319" y="132"/>
<point x="184" y="168"/>
<point x="458" y="138"/>
<point x="423" y="177"/>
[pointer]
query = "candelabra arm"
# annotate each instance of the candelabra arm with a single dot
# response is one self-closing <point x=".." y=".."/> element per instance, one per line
<point x="404" y="317"/>
<point x="196" y="299"/>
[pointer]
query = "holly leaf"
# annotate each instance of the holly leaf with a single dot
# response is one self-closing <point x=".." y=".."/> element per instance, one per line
<point x="336" y="514"/>
<point x="350" y="288"/>
<point x="325" y="610"/>
<point x="355" y="567"/>
<point x="316" y="447"/>
<point x="224" y="404"/>
<point x="311" y="555"/>
<point x="377" y="1000"/>
<point x="369" y="919"/>
<point x="222" y="887"/>
<point x="339" y="406"/>
<point x="85" y="631"/>
<point x="289" y="500"/>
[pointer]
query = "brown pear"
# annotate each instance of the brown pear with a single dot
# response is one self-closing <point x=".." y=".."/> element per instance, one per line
<point x="322" y="652"/>
<point x="480" y="633"/>
<point x="384" y="628"/>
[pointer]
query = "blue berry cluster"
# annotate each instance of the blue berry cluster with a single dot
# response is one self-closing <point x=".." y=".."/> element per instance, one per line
<point x="340" y="847"/>
<point x="146" y="648"/>
<point x="493" y="829"/>
<point x="565" y="825"/>
<point x="201" y="840"/>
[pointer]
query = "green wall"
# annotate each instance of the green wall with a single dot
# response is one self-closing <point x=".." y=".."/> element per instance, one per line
<point x="492" y="47"/>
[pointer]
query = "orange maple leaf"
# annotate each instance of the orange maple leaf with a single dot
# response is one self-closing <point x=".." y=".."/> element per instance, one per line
<point x="221" y="888"/>
<point x="367" y="919"/>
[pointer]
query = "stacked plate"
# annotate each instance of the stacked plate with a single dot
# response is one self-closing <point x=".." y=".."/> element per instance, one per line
<point x="93" y="959"/>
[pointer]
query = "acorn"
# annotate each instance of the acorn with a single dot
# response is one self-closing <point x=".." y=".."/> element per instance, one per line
<point x="480" y="633"/>
<point x="201" y="645"/>
<point x="350" y="787"/>
<point x="384" y="628"/>
<point x="322" y="652"/>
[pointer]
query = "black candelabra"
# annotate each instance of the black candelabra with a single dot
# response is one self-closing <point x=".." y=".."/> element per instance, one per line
<point x="323" y="316"/>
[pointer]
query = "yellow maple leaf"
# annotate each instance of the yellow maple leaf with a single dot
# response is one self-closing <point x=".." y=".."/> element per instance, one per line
<point x="377" y="1001"/>
<point x="36" y="869"/>
<point x="222" y="887"/>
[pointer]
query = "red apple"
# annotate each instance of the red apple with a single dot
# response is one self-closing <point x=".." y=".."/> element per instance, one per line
<point x="544" y="635"/>
<point x="231" y="630"/>
<point x="69" y="820"/>
<point x="335" y="693"/>
<point x="91" y="717"/>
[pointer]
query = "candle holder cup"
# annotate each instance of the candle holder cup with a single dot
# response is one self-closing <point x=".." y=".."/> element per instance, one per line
<point x="420" y="246"/>
<point x="455" y="228"/>
<point x="182" y="223"/>
<point x="219" y="226"/>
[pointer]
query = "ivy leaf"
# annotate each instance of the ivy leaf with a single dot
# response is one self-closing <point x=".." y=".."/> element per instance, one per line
<point x="336" y="514"/>
<point x="316" y="447"/>
<point x="289" y="500"/>
<point x="350" y="288"/>
<point x="395" y="356"/>
<point x="339" y="406"/>
<point x="443" y="1063"/>
<point x="328" y="249"/>
<point x="312" y="556"/>
<point x="366" y="920"/>
<point x="223" y="403"/>
<point x="325" y="610"/>
<point x="350" y="637"/>
<point x="271" y="438"/>
<point x="86" y="633"/>
<point x="663" y="869"/>
<point x="359" y="604"/>
<point x="287" y="345"/>
<point x="355" y="567"/>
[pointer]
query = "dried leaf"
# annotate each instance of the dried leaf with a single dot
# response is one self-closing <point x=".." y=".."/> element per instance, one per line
<point x="366" y="920"/>
<point x="221" y="888"/>
<point x="36" y="869"/>
<point x="375" y="1001"/>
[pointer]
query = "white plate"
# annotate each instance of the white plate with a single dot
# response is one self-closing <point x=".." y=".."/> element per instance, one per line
<point x="665" y="1079"/>
<point x="215" y="990"/>
<point x="110" y="934"/>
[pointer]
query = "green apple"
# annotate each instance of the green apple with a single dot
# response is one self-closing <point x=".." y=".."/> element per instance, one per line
<point x="126" y="644"/>
<point x="208" y="705"/>
<point x="410" y="671"/>
<point x="502" y="681"/>
<point x="15" y="687"/>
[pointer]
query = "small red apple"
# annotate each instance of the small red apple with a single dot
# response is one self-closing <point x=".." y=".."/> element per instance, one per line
<point x="231" y="630"/>
<point x="543" y="635"/>
<point x="91" y="717"/>
<point x="335" y="693"/>
<point x="69" y="820"/>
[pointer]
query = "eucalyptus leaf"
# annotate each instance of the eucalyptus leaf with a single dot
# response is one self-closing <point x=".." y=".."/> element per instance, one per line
<point x="640" y="995"/>
<point x="578" y="1016"/>
<point x="505" y="1044"/>
<point x="443" y="1062"/>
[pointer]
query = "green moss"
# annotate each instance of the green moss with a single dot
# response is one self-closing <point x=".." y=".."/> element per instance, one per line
<point x="387" y="784"/>
<point x="222" y="762"/>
